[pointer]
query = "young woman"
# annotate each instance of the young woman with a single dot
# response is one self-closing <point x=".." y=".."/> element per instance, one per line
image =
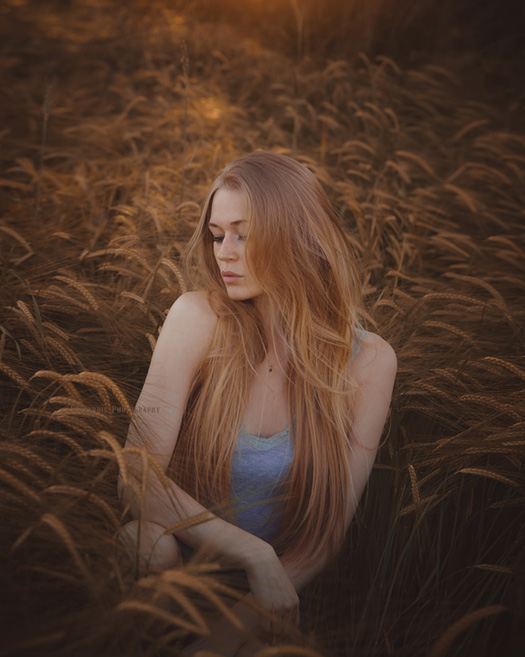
<point x="270" y="400"/>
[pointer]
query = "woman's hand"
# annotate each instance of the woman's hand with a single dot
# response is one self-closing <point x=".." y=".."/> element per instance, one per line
<point x="272" y="590"/>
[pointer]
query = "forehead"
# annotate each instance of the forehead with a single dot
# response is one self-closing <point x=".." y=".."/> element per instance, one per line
<point x="228" y="207"/>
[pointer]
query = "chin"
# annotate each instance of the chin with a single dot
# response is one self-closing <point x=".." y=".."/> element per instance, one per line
<point x="239" y="296"/>
<point x="242" y="295"/>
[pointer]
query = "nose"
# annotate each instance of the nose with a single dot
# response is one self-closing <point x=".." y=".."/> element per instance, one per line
<point x="228" y="248"/>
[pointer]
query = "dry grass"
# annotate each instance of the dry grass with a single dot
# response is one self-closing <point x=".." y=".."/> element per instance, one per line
<point x="109" y="139"/>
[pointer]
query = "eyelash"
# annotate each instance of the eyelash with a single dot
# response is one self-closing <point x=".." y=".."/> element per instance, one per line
<point x="220" y="238"/>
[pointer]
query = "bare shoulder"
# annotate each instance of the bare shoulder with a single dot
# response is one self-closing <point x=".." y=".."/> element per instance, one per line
<point x="188" y="327"/>
<point x="181" y="347"/>
<point x="196" y="304"/>
<point x="374" y="371"/>
<point x="193" y="311"/>
<point x="376" y="361"/>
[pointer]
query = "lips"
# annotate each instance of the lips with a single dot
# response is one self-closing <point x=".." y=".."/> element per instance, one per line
<point x="230" y="276"/>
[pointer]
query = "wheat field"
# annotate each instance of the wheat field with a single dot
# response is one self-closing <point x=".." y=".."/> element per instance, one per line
<point x="115" y="121"/>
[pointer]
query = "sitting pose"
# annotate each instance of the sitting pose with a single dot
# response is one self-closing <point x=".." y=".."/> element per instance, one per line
<point x="270" y="398"/>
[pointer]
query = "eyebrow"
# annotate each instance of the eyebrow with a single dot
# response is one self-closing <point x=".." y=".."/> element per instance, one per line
<point x="232" y="223"/>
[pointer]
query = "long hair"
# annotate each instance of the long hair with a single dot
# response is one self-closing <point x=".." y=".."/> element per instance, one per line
<point x="303" y="262"/>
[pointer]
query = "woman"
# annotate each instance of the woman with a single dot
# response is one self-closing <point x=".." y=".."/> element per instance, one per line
<point x="271" y="400"/>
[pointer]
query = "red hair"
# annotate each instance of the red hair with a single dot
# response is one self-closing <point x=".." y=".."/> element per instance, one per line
<point x="302" y="259"/>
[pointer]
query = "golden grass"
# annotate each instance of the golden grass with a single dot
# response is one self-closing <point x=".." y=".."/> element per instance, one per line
<point x="105" y="165"/>
<point x="444" y="643"/>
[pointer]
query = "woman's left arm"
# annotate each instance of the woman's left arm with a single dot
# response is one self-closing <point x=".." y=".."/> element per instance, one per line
<point x="374" y="370"/>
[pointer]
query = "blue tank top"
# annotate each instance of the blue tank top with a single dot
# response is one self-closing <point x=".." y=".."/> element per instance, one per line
<point x="259" y="468"/>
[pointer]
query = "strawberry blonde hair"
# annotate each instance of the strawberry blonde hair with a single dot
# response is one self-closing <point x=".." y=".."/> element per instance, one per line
<point x="302" y="259"/>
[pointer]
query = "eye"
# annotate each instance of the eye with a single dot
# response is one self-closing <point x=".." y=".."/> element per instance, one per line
<point x="219" y="238"/>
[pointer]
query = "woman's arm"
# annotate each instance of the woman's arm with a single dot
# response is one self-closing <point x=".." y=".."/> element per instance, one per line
<point x="181" y="348"/>
<point x="374" y="370"/>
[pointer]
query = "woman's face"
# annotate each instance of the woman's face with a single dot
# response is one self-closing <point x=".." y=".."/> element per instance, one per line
<point x="229" y="226"/>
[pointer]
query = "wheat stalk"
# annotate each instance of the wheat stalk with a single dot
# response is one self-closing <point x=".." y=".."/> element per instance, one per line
<point x="491" y="402"/>
<point x="59" y="527"/>
<point x="171" y="265"/>
<point x="56" y="376"/>
<point x="464" y="196"/>
<point x="56" y="329"/>
<point x="64" y="351"/>
<point x="88" y="495"/>
<point x="133" y="255"/>
<point x="77" y="412"/>
<point x="484" y="472"/>
<point x="161" y="614"/>
<point x="56" y="436"/>
<point x="425" y="502"/>
<point x="161" y="587"/>
<point x="12" y="374"/>
<point x="447" y="638"/>
<point x="55" y="292"/>
<point x="82" y="289"/>
<point x="494" y="568"/>
<point x="469" y="127"/>
<point x="117" y="450"/>
<point x="28" y="454"/>
<point x="30" y="321"/>
<point x="449" y="327"/>
<point x="68" y="401"/>
<point x="19" y="485"/>
<point x="152" y="341"/>
<point x="101" y="382"/>
<point x="506" y="365"/>
<point x="204" y="585"/>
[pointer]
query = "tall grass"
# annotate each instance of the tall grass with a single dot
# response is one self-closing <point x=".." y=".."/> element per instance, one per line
<point x="148" y="104"/>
